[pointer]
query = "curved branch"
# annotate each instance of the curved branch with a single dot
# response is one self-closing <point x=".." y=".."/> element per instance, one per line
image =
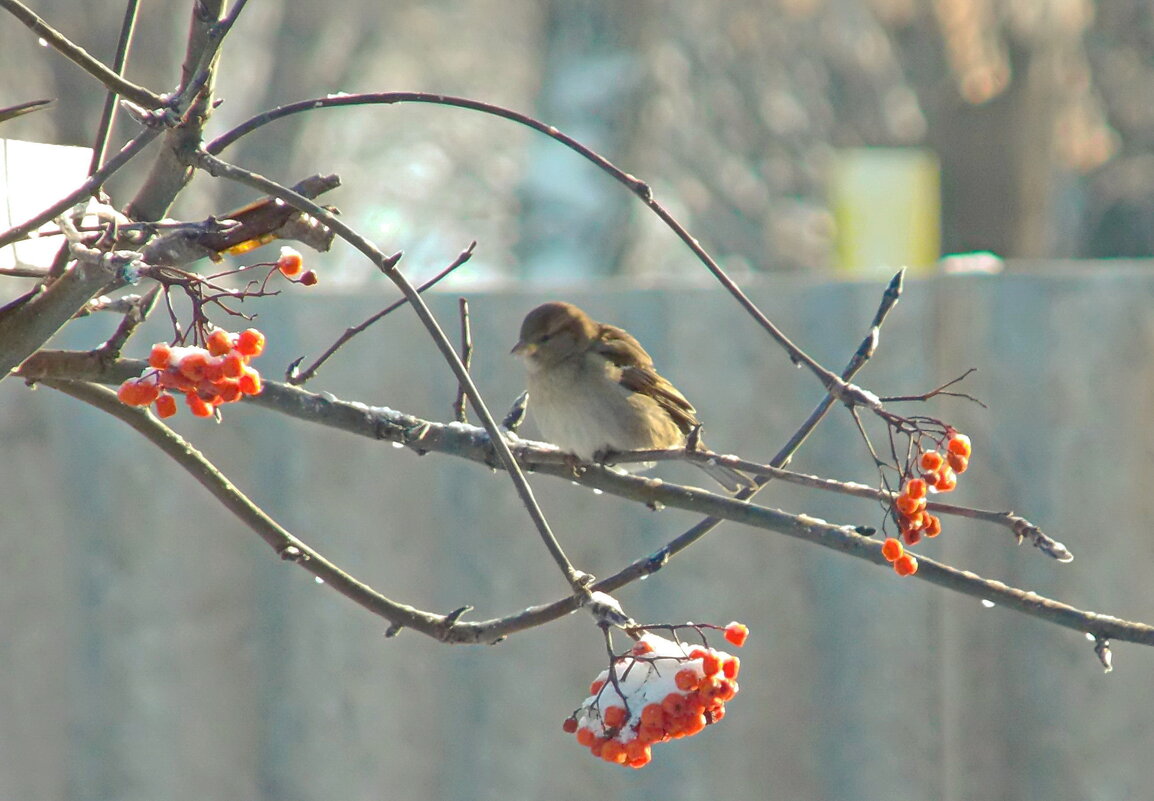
<point x="388" y="265"/>
<point x="640" y="188"/>
<point x="285" y="544"/>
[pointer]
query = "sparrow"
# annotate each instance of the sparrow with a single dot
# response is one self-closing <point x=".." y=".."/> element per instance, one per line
<point x="594" y="389"/>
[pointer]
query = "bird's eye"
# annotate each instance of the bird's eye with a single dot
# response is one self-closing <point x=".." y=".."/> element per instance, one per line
<point x="546" y="337"/>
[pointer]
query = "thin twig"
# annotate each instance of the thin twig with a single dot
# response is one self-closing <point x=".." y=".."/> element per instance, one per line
<point x="81" y="57"/>
<point x="466" y="359"/>
<point x="137" y="313"/>
<point x="119" y="61"/>
<point x="577" y="580"/>
<point x="299" y="378"/>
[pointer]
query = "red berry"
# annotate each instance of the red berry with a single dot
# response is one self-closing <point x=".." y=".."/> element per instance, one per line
<point x="249" y="383"/>
<point x="290" y="261"/>
<point x="193" y="366"/>
<point x="892" y="549"/>
<point x="947" y="480"/>
<point x="959" y="444"/>
<point x="165" y="406"/>
<point x="159" y="356"/>
<point x="915" y="488"/>
<point x="931" y="461"/>
<point x="250" y="342"/>
<point x="219" y="342"/>
<point x="958" y="462"/>
<point x="736" y="633"/>
<point x="309" y="278"/>
<point x="906" y="565"/>
<point x="687" y="679"/>
<point x="933" y="526"/>
<point x="569" y="725"/>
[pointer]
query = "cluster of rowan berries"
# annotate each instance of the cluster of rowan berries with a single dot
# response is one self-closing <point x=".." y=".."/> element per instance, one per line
<point x="939" y="473"/>
<point x="664" y="690"/>
<point x="207" y="377"/>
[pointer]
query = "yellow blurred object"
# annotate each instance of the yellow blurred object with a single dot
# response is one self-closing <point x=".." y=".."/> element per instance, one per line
<point x="250" y="244"/>
<point x="887" y="206"/>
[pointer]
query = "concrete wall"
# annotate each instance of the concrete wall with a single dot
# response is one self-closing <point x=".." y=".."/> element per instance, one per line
<point x="153" y="648"/>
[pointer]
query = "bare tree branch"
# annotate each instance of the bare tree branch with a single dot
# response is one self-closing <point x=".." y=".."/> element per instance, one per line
<point x="79" y="56"/>
<point x="475" y="445"/>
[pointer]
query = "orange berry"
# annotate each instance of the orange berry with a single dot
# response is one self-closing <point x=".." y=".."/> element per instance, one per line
<point x="650" y="734"/>
<point x="290" y="261"/>
<point x="947" y="480"/>
<point x="726" y="689"/>
<point x="165" y="406"/>
<point x="129" y="393"/>
<point x="906" y="504"/>
<point x="914" y="522"/>
<point x="736" y="633"/>
<point x="731" y="667"/>
<point x="708" y="689"/>
<point x="653" y="715"/>
<point x="959" y="444"/>
<point x="596" y="746"/>
<point x="197" y="405"/>
<point x="892" y="549"/>
<point x="149" y="392"/>
<point x="249" y="383"/>
<point x="250" y="342"/>
<point x="673" y="704"/>
<point x="229" y="391"/>
<point x="596" y="686"/>
<point x="931" y="460"/>
<point x="933" y="526"/>
<point x="214" y="369"/>
<point x="585" y="736"/>
<point x="219" y="342"/>
<point x="907" y="565"/>
<point x="613" y="751"/>
<point x="613" y="716"/>
<point x="715" y="713"/>
<point x="687" y="679"/>
<point x="192" y="366"/>
<point x="958" y="462"/>
<point x="637" y="754"/>
<point x="641" y="648"/>
<point x="159" y="356"/>
<point x="915" y="488"/>
<point x="912" y="537"/>
<point x="711" y="664"/>
<point x="569" y="725"/>
<point x="693" y="724"/>
<point x="233" y="366"/>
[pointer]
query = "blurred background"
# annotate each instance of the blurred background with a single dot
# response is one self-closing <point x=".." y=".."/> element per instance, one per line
<point x="153" y="648"/>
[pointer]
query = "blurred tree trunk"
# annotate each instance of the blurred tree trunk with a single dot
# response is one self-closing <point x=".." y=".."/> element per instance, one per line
<point x="573" y="218"/>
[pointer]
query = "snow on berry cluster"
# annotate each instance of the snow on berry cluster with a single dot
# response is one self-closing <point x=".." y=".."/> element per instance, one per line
<point x="207" y="377"/>
<point x="664" y="690"/>
<point x="938" y="473"/>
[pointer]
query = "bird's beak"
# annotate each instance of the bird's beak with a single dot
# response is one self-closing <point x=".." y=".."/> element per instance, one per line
<point x="521" y="348"/>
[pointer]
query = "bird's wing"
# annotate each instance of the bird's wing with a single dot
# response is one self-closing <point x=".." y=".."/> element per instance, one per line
<point x="637" y="374"/>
